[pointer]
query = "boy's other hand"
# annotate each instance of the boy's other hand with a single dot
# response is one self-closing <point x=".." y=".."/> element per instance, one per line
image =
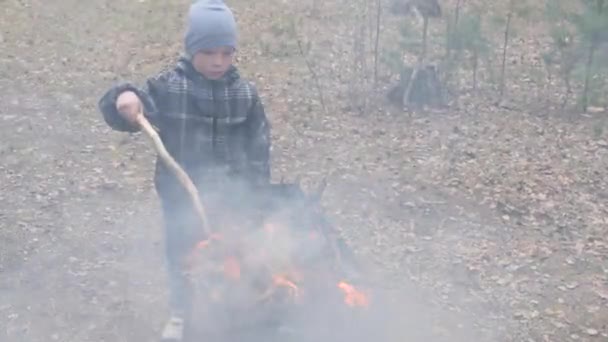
<point x="129" y="106"/>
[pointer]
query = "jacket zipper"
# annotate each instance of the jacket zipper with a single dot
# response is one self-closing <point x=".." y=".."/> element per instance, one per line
<point x="214" y="126"/>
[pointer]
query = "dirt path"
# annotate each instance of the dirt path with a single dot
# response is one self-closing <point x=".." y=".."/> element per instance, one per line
<point x="81" y="257"/>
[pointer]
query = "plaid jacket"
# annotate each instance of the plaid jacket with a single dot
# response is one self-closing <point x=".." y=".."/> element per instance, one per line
<point x="216" y="130"/>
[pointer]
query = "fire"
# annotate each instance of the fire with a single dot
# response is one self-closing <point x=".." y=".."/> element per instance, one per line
<point x="286" y="279"/>
<point x="270" y="228"/>
<point x="352" y="296"/>
<point x="283" y="281"/>
<point x="205" y="243"/>
<point x="232" y="268"/>
<point x="280" y="281"/>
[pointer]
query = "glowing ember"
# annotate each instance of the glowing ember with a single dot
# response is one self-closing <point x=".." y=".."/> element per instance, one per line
<point x="280" y="280"/>
<point x="205" y="243"/>
<point x="232" y="268"/>
<point x="270" y="228"/>
<point x="353" y="297"/>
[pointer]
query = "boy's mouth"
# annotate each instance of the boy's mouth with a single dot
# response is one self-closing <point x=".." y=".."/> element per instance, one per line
<point x="216" y="74"/>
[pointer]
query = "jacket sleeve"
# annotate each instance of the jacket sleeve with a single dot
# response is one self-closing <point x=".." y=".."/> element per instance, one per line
<point x="259" y="142"/>
<point x="150" y="95"/>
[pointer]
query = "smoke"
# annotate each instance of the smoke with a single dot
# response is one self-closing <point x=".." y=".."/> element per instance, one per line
<point x="286" y="284"/>
<point x="271" y="272"/>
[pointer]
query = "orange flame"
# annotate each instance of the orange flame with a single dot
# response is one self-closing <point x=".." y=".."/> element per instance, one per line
<point x="270" y="228"/>
<point x="232" y="268"/>
<point x="205" y="243"/>
<point x="353" y="297"/>
<point x="280" y="280"/>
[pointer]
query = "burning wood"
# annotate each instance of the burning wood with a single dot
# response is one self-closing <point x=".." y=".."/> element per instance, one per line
<point x="353" y="297"/>
<point x="205" y="243"/>
<point x="268" y="256"/>
<point x="280" y="282"/>
<point x="265" y="271"/>
<point x="232" y="268"/>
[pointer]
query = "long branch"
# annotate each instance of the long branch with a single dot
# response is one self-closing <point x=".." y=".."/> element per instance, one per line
<point x="179" y="173"/>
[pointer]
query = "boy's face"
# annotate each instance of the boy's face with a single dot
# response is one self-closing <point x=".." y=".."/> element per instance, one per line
<point x="213" y="63"/>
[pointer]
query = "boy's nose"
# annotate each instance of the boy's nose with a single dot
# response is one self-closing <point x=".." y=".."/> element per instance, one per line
<point x="217" y="59"/>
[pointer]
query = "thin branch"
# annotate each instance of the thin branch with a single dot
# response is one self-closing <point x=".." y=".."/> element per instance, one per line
<point x="313" y="73"/>
<point x="179" y="173"/>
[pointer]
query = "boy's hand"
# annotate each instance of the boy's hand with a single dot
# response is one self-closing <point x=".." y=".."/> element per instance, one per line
<point x="129" y="106"/>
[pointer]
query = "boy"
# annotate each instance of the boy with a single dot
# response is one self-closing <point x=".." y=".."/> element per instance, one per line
<point x="212" y="122"/>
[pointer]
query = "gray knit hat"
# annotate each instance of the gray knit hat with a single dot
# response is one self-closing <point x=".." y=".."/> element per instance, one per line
<point x="211" y="24"/>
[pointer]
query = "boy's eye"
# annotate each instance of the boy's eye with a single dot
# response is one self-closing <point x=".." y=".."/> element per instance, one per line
<point x="224" y="53"/>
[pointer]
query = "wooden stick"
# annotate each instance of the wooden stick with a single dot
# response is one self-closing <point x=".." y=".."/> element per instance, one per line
<point x="181" y="175"/>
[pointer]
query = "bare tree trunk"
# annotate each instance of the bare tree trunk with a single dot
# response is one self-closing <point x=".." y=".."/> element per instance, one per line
<point x="568" y="92"/>
<point x="370" y="21"/>
<point x="457" y="12"/>
<point x="425" y="29"/>
<point x="315" y="7"/>
<point x="589" y="64"/>
<point x="313" y="74"/>
<point x="475" y="67"/>
<point x="450" y="29"/>
<point x="504" y="48"/>
<point x="421" y="58"/>
<point x="360" y="75"/>
<point x="377" y="43"/>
